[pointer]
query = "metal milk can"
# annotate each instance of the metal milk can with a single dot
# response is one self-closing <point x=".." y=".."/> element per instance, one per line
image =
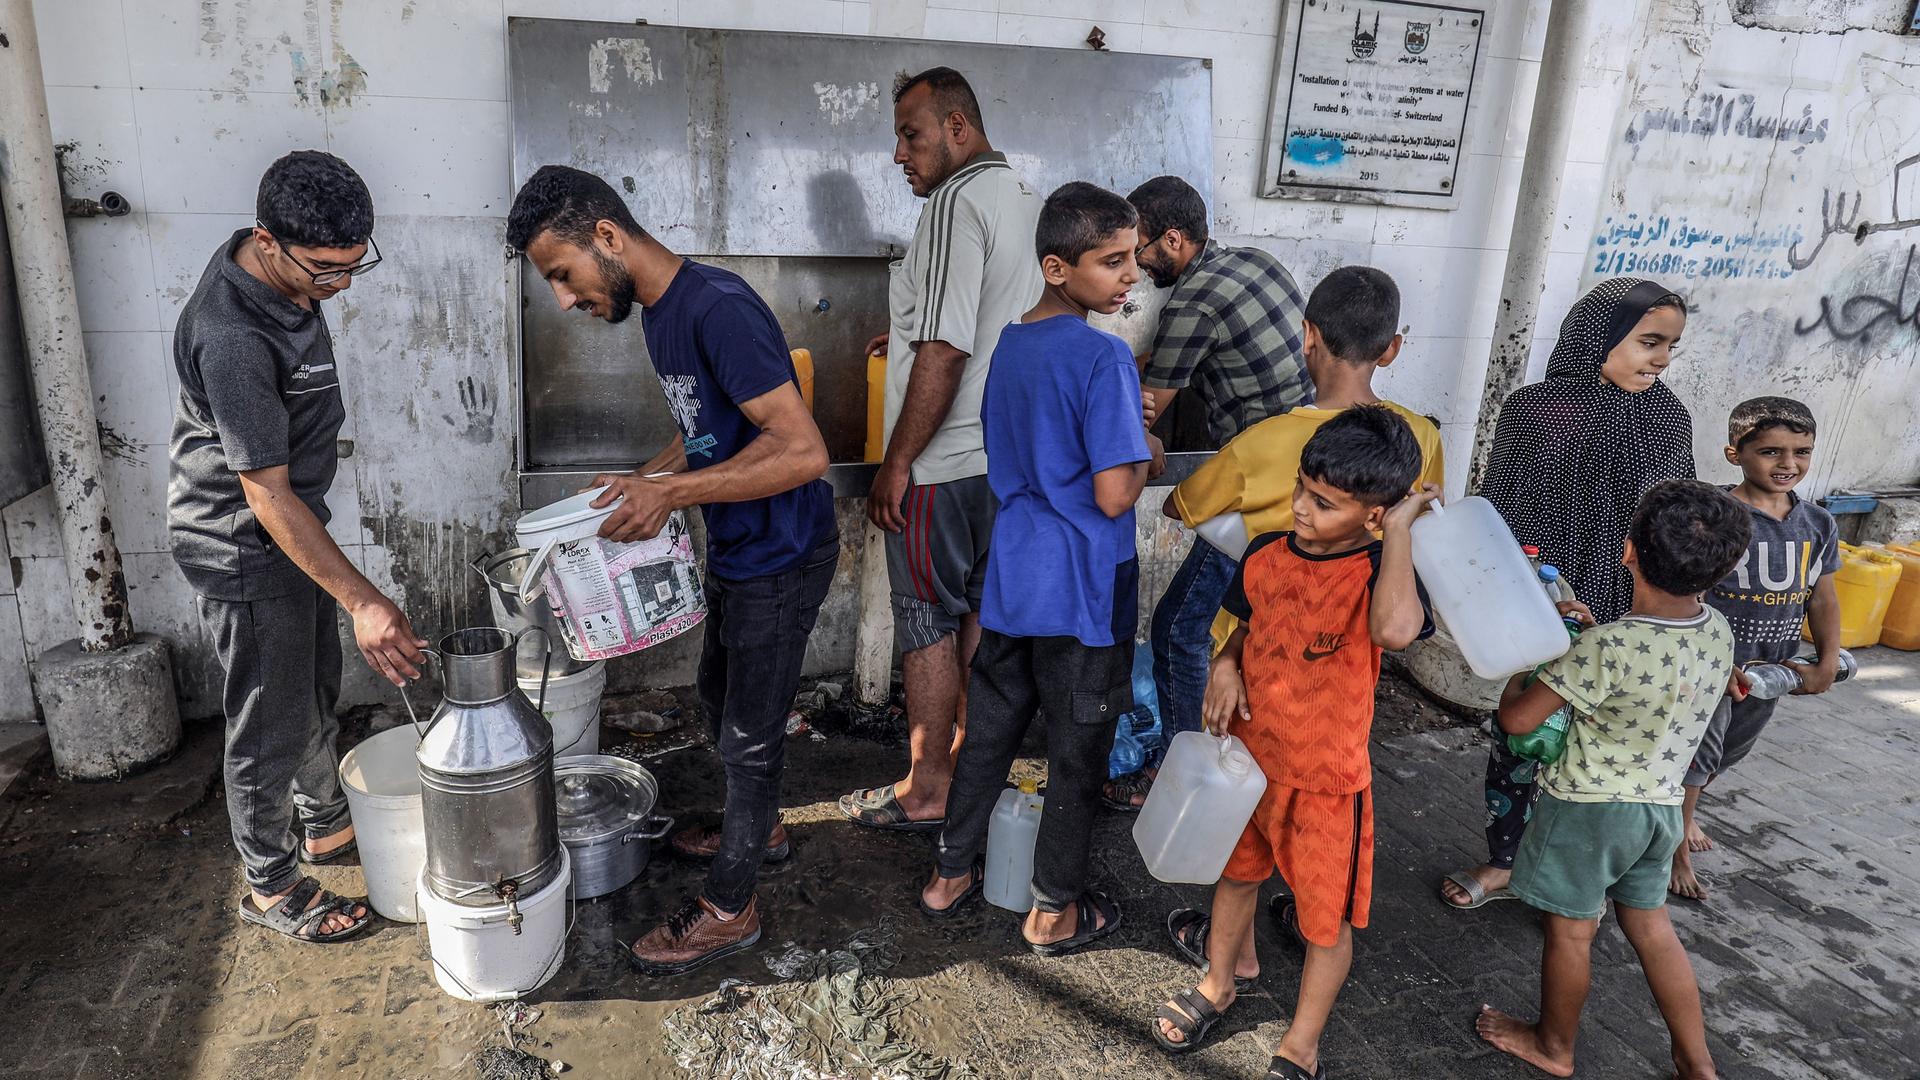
<point x="486" y="778"/>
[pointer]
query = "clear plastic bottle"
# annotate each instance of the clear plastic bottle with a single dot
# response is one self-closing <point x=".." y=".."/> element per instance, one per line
<point x="1767" y="680"/>
<point x="1201" y="800"/>
<point x="1011" y="833"/>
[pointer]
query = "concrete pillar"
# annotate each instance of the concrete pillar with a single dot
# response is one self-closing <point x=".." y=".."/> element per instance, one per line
<point x="873" y="637"/>
<point x="1528" y="245"/>
<point x="107" y="697"/>
<point x="57" y="358"/>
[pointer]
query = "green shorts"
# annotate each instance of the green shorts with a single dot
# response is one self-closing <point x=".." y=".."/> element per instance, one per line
<point x="1577" y="855"/>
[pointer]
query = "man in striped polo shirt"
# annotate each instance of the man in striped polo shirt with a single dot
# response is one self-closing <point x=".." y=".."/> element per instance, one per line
<point x="968" y="273"/>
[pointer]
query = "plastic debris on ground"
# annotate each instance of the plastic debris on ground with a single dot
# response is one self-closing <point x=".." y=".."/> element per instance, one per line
<point x="835" y="1016"/>
<point x="510" y="1063"/>
<point x="1136" y="732"/>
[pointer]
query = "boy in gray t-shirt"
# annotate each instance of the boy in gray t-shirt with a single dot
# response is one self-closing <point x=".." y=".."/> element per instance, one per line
<point x="1784" y="580"/>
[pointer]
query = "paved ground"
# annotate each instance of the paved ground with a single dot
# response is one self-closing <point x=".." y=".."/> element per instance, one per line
<point x="119" y="955"/>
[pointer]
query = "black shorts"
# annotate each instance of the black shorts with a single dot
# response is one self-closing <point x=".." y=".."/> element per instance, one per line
<point x="937" y="565"/>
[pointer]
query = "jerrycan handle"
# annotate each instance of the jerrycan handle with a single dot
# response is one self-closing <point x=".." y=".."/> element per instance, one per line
<point x="531" y="586"/>
<point x="431" y="654"/>
<point x="546" y="665"/>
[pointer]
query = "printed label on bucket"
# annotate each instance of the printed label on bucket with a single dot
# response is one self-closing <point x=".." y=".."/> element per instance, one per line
<point x="621" y="598"/>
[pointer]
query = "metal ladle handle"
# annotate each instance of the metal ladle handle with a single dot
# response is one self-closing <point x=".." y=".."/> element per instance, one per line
<point x="546" y="664"/>
<point x="434" y="655"/>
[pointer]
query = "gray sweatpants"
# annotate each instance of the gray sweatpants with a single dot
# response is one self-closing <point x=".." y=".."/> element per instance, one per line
<point x="281" y="657"/>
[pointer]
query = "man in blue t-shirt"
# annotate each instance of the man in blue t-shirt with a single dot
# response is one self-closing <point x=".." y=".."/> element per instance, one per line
<point x="1067" y="458"/>
<point x="751" y="458"/>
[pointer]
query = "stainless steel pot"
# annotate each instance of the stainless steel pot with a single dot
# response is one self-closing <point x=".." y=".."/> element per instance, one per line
<point x="502" y="573"/>
<point x="605" y="807"/>
<point x="486" y="777"/>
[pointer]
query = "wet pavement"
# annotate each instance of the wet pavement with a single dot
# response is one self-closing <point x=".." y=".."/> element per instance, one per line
<point x="120" y="955"/>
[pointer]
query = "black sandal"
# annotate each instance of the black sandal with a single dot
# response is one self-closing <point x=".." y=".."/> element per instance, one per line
<point x="334" y="856"/>
<point x="1194" y="1020"/>
<point x="1287" y="914"/>
<point x="1093" y="905"/>
<point x="296" y="920"/>
<point x="1282" y="1069"/>
<point x="1123" y="789"/>
<point x="1188" y="928"/>
<point x="979" y="875"/>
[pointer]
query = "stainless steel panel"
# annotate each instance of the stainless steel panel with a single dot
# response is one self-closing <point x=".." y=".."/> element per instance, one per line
<point x="850" y="481"/>
<point x="755" y="143"/>
<point x="23" y="459"/>
<point x="592" y="397"/>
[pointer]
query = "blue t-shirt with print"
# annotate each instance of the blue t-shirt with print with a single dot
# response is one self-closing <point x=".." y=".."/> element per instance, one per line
<point x="715" y="344"/>
<point x="1062" y="403"/>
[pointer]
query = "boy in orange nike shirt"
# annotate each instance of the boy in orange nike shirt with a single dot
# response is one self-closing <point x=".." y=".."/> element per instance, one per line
<point x="1316" y="605"/>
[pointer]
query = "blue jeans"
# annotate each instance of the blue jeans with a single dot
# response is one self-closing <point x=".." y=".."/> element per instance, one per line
<point x="1183" y="640"/>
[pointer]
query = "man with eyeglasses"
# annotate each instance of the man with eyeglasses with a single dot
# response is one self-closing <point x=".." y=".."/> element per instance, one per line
<point x="1229" y="336"/>
<point x="253" y="454"/>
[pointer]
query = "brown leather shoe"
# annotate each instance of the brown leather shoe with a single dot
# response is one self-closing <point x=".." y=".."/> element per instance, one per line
<point x="703" y="842"/>
<point x="693" y="936"/>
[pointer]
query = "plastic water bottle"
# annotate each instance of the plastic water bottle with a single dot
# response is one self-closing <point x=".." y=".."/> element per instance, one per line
<point x="1555" y="583"/>
<point x="1227" y="532"/>
<point x="1768" y="680"/>
<point x="1011" y="834"/>
<point x="1201" y="800"/>
<point x="1547" y="742"/>
<point x="1485" y="590"/>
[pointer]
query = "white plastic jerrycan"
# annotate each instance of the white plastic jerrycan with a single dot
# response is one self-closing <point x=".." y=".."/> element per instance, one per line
<point x="1011" y="833"/>
<point x="1483" y="589"/>
<point x="1227" y="532"/>
<point x="1200" y="803"/>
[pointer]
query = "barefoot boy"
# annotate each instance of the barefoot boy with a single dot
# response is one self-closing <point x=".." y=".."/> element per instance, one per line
<point x="1067" y="458"/>
<point x="1784" y="579"/>
<point x="1317" y="605"/>
<point x="1608" y="819"/>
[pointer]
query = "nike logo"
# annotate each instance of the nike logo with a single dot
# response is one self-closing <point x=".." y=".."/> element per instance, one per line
<point x="1323" y="646"/>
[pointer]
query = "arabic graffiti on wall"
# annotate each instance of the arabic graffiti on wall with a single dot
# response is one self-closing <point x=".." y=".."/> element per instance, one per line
<point x="1710" y="114"/>
<point x="1677" y="248"/>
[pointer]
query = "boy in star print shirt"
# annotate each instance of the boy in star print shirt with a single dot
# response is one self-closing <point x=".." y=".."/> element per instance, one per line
<point x="1608" y="820"/>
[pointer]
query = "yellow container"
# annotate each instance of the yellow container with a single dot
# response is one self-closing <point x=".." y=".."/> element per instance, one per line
<point x="876" y="407"/>
<point x="1901" y="630"/>
<point x="1866" y="582"/>
<point x="803" y="367"/>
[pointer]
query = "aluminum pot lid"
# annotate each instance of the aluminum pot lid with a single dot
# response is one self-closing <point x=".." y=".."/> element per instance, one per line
<point x="600" y="796"/>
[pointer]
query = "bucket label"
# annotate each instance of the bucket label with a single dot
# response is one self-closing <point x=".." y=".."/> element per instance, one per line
<point x="619" y="598"/>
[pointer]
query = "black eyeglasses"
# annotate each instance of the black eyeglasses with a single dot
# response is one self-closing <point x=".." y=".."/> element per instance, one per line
<point x="328" y="277"/>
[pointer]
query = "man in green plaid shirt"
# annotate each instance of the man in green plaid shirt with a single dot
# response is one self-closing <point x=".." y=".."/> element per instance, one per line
<point x="1230" y="331"/>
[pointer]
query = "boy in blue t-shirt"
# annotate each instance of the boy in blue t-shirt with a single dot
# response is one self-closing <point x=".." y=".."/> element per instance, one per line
<point x="1066" y="458"/>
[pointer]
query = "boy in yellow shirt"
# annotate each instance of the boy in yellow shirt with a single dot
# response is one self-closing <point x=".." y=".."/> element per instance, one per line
<point x="1351" y="330"/>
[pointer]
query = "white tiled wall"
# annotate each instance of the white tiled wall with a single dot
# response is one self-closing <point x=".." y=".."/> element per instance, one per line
<point x="180" y="104"/>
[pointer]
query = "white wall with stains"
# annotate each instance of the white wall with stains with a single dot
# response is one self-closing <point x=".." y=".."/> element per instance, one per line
<point x="180" y="104"/>
<point x="1773" y="177"/>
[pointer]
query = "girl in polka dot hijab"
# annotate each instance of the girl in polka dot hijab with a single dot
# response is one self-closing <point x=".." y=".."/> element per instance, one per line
<point x="1573" y="454"/>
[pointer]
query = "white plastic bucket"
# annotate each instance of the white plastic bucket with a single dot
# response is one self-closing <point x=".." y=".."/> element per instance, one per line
<point x="612" y="598"/>
<point x="382" y="781"/>
<point x="476" y="954"/>
<point x="572" y="707"/>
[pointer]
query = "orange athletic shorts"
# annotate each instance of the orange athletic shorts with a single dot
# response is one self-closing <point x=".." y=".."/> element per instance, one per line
<point x="1322" y="845"/>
